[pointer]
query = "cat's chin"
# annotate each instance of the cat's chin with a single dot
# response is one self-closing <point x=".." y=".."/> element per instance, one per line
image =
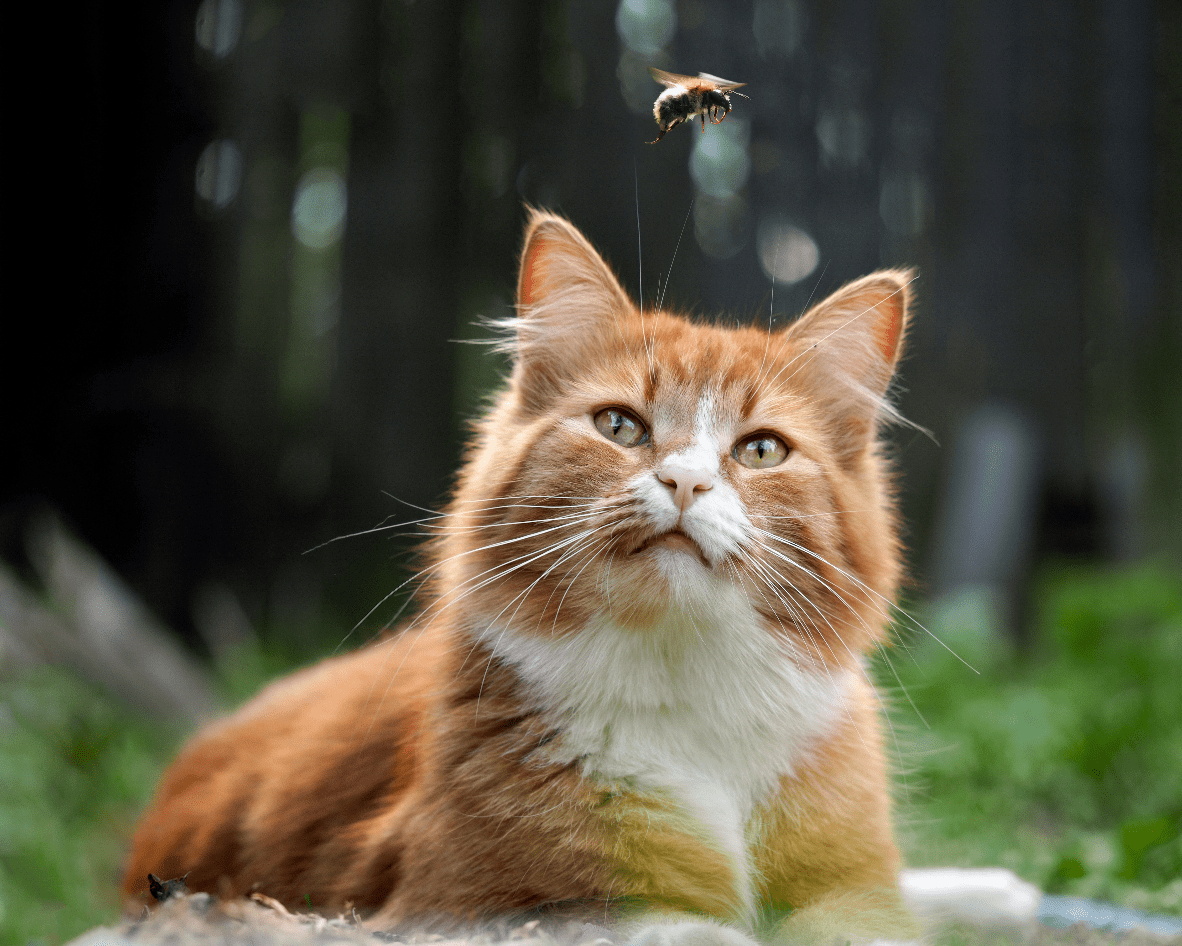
<point x="668" y="572"/>
<point x="673" y="549"/>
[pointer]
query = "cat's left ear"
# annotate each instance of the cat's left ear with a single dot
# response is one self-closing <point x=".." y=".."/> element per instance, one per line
<point x="848" y="347"/>
<point x="569" y="303"/>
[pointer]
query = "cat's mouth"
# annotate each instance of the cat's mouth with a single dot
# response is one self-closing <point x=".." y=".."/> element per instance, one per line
<point x="674" y="540"/>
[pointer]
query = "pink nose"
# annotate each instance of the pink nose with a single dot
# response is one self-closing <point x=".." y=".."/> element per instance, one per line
<point x="685" y="483"/>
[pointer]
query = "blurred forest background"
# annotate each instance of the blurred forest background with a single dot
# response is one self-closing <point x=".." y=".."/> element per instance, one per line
<point x="255" y="229"/>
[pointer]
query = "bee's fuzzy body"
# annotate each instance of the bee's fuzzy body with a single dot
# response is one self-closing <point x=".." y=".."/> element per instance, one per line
<point x="687" y="97"/>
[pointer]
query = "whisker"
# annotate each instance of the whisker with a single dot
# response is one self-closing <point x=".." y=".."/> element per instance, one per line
<point x="797" y="617"/>
<point x="500" y="573"/>
<point x="816" y="285"/>
<point x="889" y="603"/>
<point x="422" y="575"/>
<point x="566" y="575"/>
<point x="490" y="499"/>
<point x="661" y="301"/>
<point x="571" y="584"/>
<point x="639" y="250"/>
<point x="882" y="650"/>
<point x="493" y="499"/>
<point x="522" y="595"/>
<point x="837" y="634"/>
<point x="902" y="686"/>
<point x="771" y="309"/>
<point x="829" y="586"/>
<point x="785" y="338"/>
<point x="791" y="517"/>
<point x="648" y="354"/>
<point x="784" y="583"/>
<point x="824" y="665"/>
<point x="501" y="570"/>
<point x="451" y="530"/>
<point x="562" y="558"/>
<point x="370" y="531"/>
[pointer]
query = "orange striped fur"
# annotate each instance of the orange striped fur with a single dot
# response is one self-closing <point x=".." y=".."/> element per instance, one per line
<point x="635" y="683"/>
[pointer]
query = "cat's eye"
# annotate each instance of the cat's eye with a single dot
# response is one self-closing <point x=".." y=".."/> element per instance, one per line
<point x="620" y="427"/>
<point x="761" y="451"/>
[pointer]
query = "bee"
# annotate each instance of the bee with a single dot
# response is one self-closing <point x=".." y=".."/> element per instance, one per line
<point x="687" y="96"/>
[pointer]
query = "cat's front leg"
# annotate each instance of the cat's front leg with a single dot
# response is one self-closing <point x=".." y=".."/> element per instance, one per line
<point x="675" y="928"/>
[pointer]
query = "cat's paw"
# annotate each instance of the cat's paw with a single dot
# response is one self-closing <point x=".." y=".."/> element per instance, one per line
<point x="863" y="917"/>
<point x="689" y="933"/>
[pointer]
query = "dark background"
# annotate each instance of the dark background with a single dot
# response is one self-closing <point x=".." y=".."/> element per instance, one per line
<point x="206" y="391"/>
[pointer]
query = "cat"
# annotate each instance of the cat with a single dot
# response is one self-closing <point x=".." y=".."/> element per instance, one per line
<point x="636" y="684"/>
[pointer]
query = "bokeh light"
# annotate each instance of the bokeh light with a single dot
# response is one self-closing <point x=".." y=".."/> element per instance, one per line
<point x="844" y="135"/>
<point x="904" y="203"/>
<point x="219" y="173"/>
<point x="646" y="26"/>
<point x="219" y="26"/>
<point x="719" y="163"/>
<point x="787" y="253"/>
<point x="721" y="225"/>
<point x="318" y="210"/>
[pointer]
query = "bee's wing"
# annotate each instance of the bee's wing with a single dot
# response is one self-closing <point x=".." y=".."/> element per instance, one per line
<point x="721" y="84"/>
<point x="671" y="78"/>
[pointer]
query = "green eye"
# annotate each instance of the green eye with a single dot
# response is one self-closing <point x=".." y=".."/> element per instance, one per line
<point x="761" y="451"/>
<point x="620" y="427"/>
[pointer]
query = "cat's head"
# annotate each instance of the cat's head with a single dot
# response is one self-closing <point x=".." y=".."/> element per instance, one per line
<point x="638" y="464"/>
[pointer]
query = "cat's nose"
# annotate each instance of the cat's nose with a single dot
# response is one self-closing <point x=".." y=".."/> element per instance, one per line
<point x="686" y="484"/>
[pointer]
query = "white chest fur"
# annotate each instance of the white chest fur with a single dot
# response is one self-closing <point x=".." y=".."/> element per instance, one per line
<point x="709" y="708"/>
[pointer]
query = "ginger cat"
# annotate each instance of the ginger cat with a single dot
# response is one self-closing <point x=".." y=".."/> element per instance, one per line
<point x="636" y="684"/>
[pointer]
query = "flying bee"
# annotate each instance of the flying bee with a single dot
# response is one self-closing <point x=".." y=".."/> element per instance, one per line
<point x="687" y="96"/>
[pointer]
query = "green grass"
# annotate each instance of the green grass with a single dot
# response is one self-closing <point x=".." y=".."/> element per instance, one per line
<point x="1064" y="763"/>
<point x="76" y="767"/>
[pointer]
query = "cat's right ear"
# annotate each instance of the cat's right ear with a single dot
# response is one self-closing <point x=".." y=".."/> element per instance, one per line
<point x="569" y="304"/>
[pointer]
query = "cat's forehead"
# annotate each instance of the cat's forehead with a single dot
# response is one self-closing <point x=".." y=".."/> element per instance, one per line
<point x="686" y="372"/>
<point x="700" y="403"/>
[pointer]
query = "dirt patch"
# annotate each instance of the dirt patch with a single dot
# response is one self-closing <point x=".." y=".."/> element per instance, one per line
<point x="201" y="920"/>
